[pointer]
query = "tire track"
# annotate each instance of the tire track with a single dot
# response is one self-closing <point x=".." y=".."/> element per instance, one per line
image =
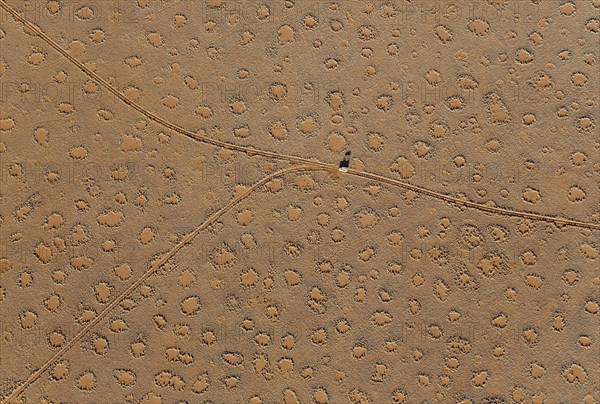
<point x="307" y="165"/>
<point x="286" y="157"/>
<point x="153" y="268"/>
<point x="485" y="208"/>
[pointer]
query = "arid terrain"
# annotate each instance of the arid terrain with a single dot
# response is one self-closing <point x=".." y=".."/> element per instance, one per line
<point x="174" y="227"/>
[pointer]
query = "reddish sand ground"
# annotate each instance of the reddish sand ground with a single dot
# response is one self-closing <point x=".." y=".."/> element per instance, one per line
<point x="174" y="227"/>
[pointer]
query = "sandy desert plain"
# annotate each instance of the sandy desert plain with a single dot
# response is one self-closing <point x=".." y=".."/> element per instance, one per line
<point x="174" y="228"/>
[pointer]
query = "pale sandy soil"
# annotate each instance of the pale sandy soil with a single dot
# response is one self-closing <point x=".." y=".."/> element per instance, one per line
<point x="174" y="229"/>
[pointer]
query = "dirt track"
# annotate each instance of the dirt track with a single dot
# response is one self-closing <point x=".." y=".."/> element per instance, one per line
<point x="367" y="221"/>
